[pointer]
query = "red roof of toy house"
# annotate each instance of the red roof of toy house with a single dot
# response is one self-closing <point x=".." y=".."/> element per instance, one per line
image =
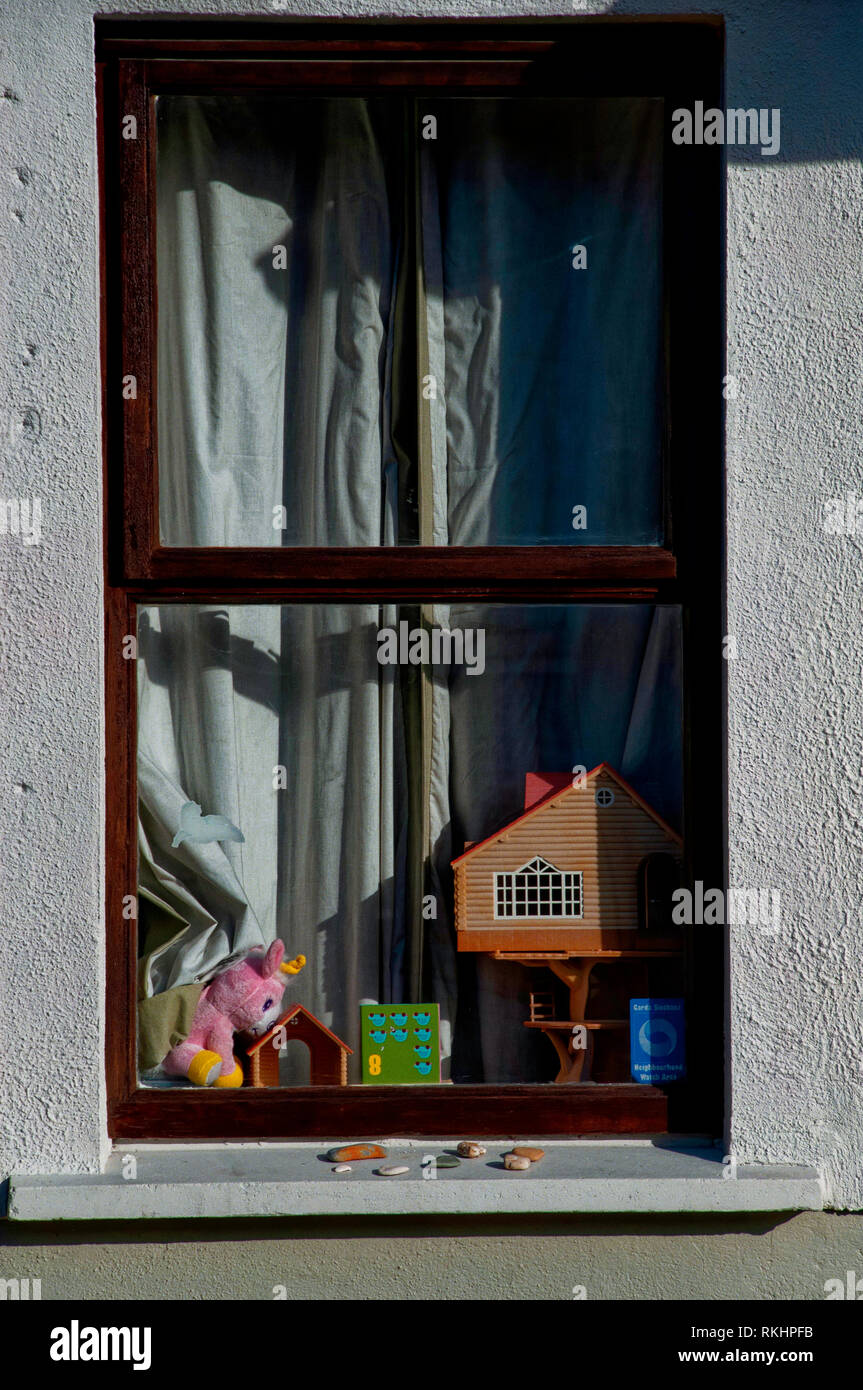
<point x="541" y="787"/>
<point x="285" y="1018"/>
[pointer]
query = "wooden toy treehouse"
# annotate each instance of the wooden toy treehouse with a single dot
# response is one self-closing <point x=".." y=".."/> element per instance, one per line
<point x="583" y="876"/>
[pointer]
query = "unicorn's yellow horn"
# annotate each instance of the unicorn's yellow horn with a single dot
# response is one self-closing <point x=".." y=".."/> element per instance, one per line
<point x="293" y="967"/>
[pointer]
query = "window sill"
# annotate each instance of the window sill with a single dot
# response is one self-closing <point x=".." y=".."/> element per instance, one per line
<point x="288" y="1180"/>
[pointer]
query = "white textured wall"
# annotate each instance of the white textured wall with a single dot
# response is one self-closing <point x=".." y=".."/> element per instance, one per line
<point x="795" y="756"/>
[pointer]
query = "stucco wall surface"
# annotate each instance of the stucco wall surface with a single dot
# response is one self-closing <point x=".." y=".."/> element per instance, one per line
<point x="795" y="725"/>
<point x="550" y="1258"/>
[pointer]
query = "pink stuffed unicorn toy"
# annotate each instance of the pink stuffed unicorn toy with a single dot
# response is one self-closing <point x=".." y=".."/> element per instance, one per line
<point x="244" y="998"/>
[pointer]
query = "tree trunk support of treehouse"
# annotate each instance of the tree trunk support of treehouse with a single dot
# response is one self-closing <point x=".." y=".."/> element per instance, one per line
<point x="575" y="971"/>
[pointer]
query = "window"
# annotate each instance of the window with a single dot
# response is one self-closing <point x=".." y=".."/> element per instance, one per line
<point x="413" y="382"/>
<point x="538" y="890"/>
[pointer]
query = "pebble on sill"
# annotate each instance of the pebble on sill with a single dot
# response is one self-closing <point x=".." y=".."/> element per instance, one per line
<point x="515" y="1163"/>
<point x="349" y="1153"/>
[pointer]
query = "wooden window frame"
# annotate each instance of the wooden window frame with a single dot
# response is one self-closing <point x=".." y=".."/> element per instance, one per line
<point x="680" y="60"/>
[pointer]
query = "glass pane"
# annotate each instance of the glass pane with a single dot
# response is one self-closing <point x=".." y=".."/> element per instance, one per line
<point x="315" y="774"/>
<point x="542" y="237"/>
<point x="313" y="390"/>
<point x="272" y="798"/>
<point x="561" y="690"/>
<point x="277" y="259"/>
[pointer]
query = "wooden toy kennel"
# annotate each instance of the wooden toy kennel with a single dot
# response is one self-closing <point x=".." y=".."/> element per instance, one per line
<point x="329" y="1055"/>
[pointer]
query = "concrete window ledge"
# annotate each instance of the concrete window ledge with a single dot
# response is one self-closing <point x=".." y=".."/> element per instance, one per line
<point x="251" y="1180"/>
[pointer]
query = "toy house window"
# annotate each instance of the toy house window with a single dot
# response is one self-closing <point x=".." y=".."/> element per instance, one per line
<point x="538" y="890"/>
<point x="397" y="322"/>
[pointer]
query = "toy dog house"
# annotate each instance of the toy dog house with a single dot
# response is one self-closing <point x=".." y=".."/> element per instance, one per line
<point x="329" y="1055"/>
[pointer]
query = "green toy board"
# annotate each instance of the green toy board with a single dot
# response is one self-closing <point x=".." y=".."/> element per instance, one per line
<point x="401" y="1044"/>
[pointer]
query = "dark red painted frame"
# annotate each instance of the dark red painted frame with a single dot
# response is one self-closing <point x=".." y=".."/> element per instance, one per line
<point x="679" y="60"/>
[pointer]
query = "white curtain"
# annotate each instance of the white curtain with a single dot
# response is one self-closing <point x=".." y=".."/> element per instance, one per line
<point x="551" y="400"/>
<point x="276" y="272"/>
<point x="281" y="720"/>
<point x="551" y="371"/>
<point x="276" y="262"/>
<point x="275" y="392"/>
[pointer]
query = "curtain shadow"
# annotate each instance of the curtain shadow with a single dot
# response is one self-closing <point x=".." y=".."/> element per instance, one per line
<point x="256" y="673"/>
<point x="804" y="60"/>
<point x="548" y="213"/>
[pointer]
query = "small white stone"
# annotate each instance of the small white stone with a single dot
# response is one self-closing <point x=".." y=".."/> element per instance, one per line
<point x="392" y="1172"/>
<point x="342" y="1168"/>
<point x="515" y="1163"/>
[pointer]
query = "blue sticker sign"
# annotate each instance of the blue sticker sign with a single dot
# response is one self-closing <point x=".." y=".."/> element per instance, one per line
<point x="657" y="1040"/>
